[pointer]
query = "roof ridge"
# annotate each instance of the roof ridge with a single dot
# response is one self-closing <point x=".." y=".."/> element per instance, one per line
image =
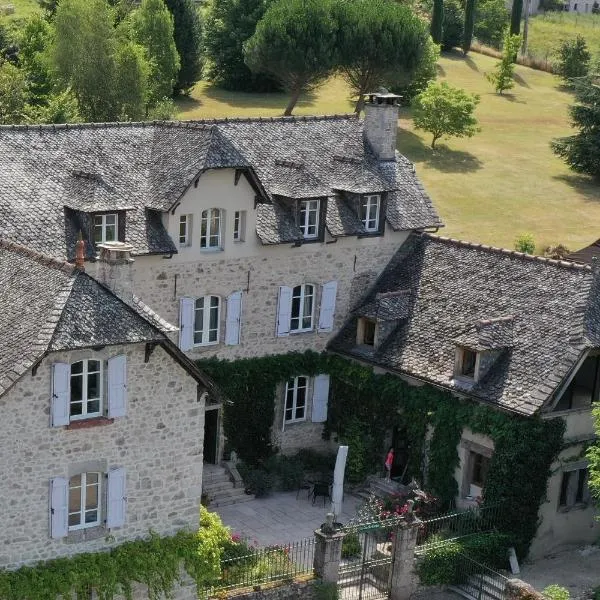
<point x="40" y="257"/>
<point x="78" y="126"/>
<point x="506" y="252"/>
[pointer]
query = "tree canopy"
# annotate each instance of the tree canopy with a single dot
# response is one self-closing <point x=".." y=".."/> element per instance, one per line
<point x="437" y="21"/>
<point x="296" y="42"/>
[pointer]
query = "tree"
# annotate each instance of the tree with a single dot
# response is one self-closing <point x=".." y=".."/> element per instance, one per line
<point x="593" y="456"/>
<point x="131" y="81"/>
<point x="468" y="26"/>
<point x="188" y="41"/>
<point x="34" y="41"/>
<point x="152" y="27"/>
<point x="377" y="38"/>
<point x="444" y="110"/>
<point x="491" y="19"/>
<point x="83" y="55"/>
<point x="573" y="59"/>
<point x="59" y="107"/>
<point x="454" y="17"/>
<point x="582" y="150"/>
<point x="437" y="21"/>
<point x="230" y="23"/>
<point x="295" y="41"/>
<point x="13" y="94"/>
<point x="515" y="17"/>
<point x="502" y="78"/>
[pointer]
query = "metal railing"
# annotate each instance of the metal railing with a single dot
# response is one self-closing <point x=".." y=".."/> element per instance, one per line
<point x="458" y="524"/>
<point x="475" y="580"/>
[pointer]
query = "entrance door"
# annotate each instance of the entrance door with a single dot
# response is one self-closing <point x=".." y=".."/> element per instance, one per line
<point x="401" y="453"/>
<point x="211" y="435"/>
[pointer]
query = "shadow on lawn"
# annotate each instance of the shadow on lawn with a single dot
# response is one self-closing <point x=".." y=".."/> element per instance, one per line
<point x="276" y="100"/>
<point x="519" y="79"/>
<point x="585" y="185"/>
<point x="441" y="158"/>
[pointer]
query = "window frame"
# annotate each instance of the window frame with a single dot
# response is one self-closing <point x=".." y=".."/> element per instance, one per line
<point x="239" y="226"/>
<point x="459" y="364"/>
<point x="83" y="501"/>
<point x="304" y="219"/>
<point x="294" y="397"/>
<point x="365" y="210"/>
<point x="206" y="329"/>
<point x="361" y="329"/>
<point x="301" y="303"/>
<point x="579" y="500"/>
<point x="103" y="227"/>
<point x="84" y="390"/>
<point x="207" y="216"/>
<point x="185" y="240"/>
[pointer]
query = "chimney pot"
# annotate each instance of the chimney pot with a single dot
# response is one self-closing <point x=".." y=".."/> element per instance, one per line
<point x="80" y="254"/>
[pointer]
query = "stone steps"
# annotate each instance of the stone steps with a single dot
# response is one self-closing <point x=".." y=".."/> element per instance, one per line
<point x="219" y="488"/>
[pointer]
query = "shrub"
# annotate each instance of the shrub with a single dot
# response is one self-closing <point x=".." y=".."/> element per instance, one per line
<point x="491" y="18"/>
<point x="556" y="592"/>
<point x="558" y="252"/>
<point x="525" y="243"/>
<point x="351" y="547"/>
<point x="573" y="59"/>
<point x="317" y="462"/>
<point x="359" y="444"/>
<point x="440" y="565"/>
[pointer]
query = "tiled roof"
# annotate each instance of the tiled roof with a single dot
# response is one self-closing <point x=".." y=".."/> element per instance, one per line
<point x="48" y="305"/>
<point x="538" y="316"/>
<point x="587" y="254"/>
<point x="52" y="177"/>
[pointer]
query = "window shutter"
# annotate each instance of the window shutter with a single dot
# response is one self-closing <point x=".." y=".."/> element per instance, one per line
<point x="59" y="507"/>
<point x="117" y="386"/>
<point x="234" y="316"/>
<point x="320" y="398"/>
<point x="61" y="393"/>
<point x="327" y="311"/>
<point x="116" y="498"/>
<point x="284" y="310"/>
<point x="186" y="323"/>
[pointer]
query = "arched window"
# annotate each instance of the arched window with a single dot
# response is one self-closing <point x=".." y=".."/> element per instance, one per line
<point x="303" y="305"/>
<point x="86" y="389"/>
<point x="210" y="228"/>
<point x="207" y="317"/>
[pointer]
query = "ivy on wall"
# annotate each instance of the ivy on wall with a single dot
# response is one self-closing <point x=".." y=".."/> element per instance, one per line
<point x="376" y="403"/>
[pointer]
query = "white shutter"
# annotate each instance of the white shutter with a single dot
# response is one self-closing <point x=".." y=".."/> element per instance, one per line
<point x="61" y="393"/>
<point x="116" y="498"/>
<point x="186" y="323"/>
<point x="320" y="399"/>
<point x="327" y="311"/>
<point x="59" y="507"/>
<point x="117" y="386"/>
<point x="234" y="316"/>
<point x="284" y="310"/>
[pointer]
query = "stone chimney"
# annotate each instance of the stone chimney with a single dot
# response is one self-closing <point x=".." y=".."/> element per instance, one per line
<point x="115" y="268"/>
<point x="381" y="123"/>
<point x="80" y="254"/>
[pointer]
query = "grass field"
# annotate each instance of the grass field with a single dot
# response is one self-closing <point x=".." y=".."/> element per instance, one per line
<point x="23" y="8"/>
<point x="490" y="188"/>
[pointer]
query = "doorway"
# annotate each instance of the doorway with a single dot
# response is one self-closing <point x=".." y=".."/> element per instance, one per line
<point x="211" y="435"/>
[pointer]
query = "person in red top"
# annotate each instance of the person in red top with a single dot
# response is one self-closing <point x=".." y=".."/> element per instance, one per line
<point x="389" y="461"/>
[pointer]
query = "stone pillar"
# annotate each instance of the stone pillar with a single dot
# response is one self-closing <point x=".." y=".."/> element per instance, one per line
<point x="404" y="580"/>
<point x="328" y="551"/>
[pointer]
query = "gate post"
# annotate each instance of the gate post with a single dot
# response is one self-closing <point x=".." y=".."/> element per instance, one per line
<point x="328" y="551"/>
<point x="403" y="579"/>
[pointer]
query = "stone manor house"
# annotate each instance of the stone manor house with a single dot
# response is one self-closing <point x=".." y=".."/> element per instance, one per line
<point x="243" y="238"/>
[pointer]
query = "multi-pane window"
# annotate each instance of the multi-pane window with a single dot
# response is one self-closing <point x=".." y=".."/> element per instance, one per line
<point x="309" y="218"/>
<point x="105" y="228"/>
<point x="84" y="500"/>
<point x="296" y="391"/>
<point x="303" y="302"/>
<point x="574" y="488"/>
<point x="480" y="465"/>
<point x="185" y="230"/>
<point x="86" y="389"/>
<point x="206" y="320"/>
<point x="239" y="225"/>
<point x="369" y="212"/>
<point x="210" y="228"/>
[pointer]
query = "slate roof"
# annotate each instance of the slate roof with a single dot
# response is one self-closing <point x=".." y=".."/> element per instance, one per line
<point x="52" y="177"/>
<point x="49" y="305"/>
<point x="538" y="315"/>
<point x="587" y="254"/>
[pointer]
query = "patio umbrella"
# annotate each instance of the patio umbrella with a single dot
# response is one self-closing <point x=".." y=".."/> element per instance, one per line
<point x="338" y="481"/>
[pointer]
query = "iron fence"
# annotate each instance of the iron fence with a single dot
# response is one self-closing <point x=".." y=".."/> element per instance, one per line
<point x="478" y="581"/>
<point x="458" y="524"/>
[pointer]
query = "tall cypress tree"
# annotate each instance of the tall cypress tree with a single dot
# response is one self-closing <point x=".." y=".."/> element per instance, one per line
<point x="515" y="17"/>
<point x="437" y="21"/>
<point x="469" y="25"/>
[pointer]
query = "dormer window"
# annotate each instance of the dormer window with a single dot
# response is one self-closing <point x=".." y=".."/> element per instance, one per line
<point x="466" y="364"/>
<point x="105" y="228"/>
<point x="210" y="229"/>
<point x="366" y="332"/>
<point x="309" y="219"/>
<point x="369" y="212"/>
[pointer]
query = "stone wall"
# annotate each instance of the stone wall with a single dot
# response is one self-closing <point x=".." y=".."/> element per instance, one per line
<point x="291" y="591"/>
<point x="158" y="442"/>
<point x="519" y="590"/>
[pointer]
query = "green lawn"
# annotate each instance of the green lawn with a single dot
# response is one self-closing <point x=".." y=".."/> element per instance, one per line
<point x="490" y="188"/>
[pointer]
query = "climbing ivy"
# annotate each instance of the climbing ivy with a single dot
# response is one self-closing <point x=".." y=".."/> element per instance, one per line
<point x="524" y="447"/>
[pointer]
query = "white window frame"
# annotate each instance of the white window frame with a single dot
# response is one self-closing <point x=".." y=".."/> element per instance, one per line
<point x="306" y="209"/>
<point x="301" y="295"/>
<point x="185" y="238"/>
<point x="294" y="391"/>
<point x="206" y="329"/>
<point x="82" y="501"/>
<point x="101" y="225"/>
<point x="571" y="499"/>
<point x="368" y="205"/>
<point x="239" y="226"/>
<point x="209" y="239"/>
<point x="84" y="389"/>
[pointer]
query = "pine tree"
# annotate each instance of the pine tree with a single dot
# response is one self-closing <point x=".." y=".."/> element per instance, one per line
<point x="437" y="21"/>
<point x="469" y="25"/>
<point x="515" y="17"/>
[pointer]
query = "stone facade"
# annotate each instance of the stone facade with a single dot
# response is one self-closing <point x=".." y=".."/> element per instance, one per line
<point x="158" y="443"/>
